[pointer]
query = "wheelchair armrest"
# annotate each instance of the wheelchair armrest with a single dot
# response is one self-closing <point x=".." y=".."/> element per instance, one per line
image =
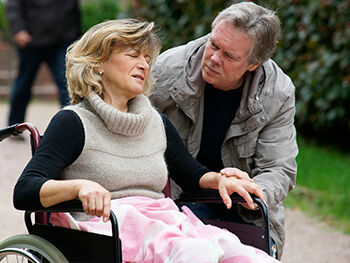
<point x="207" y="196"/>
<point x="73" y="206"/>
<point x="213" y="196"/>
<point x="68" y="206"/>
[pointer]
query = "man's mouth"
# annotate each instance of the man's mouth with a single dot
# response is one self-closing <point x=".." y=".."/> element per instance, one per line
<point x="210" y="70"/>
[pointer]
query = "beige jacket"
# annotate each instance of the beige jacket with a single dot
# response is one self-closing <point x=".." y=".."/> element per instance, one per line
<point x="261" y="139"/>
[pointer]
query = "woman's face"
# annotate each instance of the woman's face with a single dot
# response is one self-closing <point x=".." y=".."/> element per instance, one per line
<point x="125" y="72"/>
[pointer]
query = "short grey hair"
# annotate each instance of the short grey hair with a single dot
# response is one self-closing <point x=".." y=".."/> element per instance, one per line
<point x="258" y="22"/>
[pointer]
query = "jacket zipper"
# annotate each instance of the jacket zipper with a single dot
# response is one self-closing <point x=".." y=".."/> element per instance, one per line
<point x="178" y="106"/>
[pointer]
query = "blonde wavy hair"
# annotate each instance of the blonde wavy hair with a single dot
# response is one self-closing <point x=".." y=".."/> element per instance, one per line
<point x="96" y="46"/>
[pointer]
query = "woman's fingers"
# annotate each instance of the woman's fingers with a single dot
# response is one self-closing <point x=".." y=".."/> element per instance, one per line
<point x="99" y="201"/>
<point x="96" y="200"/>
<point x="256" y="190"/>
<point x="106" y="207"/>
<point x="225" y="196"/>
<point x="229" y="185"/>
<point x="85" y="205"/>
<point x="246" y="196"/>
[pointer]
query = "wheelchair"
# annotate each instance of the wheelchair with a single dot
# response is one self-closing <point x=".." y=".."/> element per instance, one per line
<point x="45" y="243"/>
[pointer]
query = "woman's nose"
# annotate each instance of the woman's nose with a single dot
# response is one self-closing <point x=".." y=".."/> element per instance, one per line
<point x="143" y="64"/>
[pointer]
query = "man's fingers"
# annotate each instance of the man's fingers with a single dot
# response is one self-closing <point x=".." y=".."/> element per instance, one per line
<point x="234" y="172"/>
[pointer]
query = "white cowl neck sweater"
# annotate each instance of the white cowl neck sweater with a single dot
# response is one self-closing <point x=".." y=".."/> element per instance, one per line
<point x="124" y="152"/>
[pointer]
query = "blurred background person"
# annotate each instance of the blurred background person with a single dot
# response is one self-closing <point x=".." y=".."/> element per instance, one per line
<point x="42" y="30"/>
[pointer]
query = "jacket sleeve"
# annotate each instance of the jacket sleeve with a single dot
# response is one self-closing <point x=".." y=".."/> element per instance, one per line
<point x="15" y="15"/>
<point x="275" y="157"/>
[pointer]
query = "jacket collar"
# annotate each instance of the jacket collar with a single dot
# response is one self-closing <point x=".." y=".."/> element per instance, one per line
<point x="189" y="97"/>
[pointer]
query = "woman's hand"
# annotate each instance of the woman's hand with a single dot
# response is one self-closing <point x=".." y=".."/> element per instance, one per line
<point x="95" y="199"/>
<point x="244" y="187"/>
<point x="229" y="181"/>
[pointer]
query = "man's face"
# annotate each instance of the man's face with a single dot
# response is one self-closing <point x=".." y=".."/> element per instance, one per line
<point x="225" y="58"/>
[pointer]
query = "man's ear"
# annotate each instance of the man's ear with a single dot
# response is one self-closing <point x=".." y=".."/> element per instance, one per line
<point x="252" y="67"/>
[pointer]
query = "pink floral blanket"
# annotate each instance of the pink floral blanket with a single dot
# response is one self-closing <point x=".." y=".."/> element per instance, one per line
<point x="154" y="230"/>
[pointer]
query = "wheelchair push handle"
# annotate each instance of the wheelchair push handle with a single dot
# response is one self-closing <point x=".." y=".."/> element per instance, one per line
<point x="18" y="128"/>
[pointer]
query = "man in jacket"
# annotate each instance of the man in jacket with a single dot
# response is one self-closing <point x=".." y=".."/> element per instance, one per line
<point x="42" y="30"/>
<point x="234" y="107"/>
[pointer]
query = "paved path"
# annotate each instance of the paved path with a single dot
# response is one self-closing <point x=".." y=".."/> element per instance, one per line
<point x="307" y="240"/>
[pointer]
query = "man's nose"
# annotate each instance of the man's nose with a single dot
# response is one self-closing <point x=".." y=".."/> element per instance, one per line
<point x="216" y="58"/>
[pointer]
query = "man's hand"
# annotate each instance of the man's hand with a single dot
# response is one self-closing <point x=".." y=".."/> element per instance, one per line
<point x="22" y="38"/>
<point x="235" y="172"/>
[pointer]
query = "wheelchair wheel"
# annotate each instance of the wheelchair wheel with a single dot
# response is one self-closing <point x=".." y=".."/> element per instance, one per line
<point x="31" y="249"/>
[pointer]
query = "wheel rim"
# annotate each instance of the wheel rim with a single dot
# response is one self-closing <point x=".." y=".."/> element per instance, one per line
<point x="16" y="255"/>
<point x="38" y="248"/>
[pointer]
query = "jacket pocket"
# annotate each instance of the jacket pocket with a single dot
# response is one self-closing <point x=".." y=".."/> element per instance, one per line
<point x="247" y="148"/>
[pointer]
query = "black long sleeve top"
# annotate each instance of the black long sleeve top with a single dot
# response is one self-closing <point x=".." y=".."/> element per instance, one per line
<point x="62" y="144"/>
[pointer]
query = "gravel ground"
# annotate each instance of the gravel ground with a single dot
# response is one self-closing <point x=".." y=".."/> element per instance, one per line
<point x="307" y="239"/>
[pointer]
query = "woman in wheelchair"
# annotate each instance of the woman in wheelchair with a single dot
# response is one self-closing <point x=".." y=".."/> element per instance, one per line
<point x="112" y="150"/>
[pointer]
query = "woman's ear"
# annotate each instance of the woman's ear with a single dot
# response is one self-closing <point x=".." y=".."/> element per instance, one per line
<point x="99" y="71"/>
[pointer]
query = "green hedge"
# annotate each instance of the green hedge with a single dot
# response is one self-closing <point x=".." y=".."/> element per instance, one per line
<point x="314" y="49"/>
<point x="96" y="11"/>
<point x="4" y="29"/>
<point x="178" y="21"/>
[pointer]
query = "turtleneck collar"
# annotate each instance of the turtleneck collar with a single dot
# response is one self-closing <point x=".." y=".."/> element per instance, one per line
<point x="129" y="123"/>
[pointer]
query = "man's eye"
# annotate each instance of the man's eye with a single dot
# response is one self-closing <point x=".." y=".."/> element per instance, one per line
<point x="229" y="57"/>
<point x="214" y="46"/>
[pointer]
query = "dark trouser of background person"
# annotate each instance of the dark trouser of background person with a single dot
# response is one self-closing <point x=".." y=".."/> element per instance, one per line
<point x="29" y="62"/>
